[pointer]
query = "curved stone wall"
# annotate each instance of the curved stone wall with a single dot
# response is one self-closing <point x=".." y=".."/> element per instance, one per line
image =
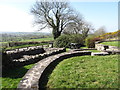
<point x="9" y="62"/>
<point x="18" y="53"/>
<point x="34" y="77"/>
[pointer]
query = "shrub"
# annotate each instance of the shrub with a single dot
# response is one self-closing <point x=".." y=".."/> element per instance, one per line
<point x="110" y="35"/>
<point x="77" y="39"/>
<point x="90" y="41"/>
<point x="62" y="41"/>
<point x="65" y="40"/>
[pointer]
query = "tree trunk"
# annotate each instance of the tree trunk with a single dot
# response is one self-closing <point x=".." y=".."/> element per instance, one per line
<point x="56" y="33"/>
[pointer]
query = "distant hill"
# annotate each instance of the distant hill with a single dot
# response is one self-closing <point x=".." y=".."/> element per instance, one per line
<point x="18" y="36"/>
<point x="23" y="33"/>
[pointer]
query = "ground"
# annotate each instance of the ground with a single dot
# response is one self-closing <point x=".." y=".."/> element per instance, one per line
<point x="86" y="72"/>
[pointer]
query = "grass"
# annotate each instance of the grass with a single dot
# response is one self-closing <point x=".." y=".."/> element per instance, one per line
<point x="89" y="50"/>
<point x="3" y="42"/>
<point x="32" y="40"/>
<point x="23" y="46"/>
<point x="94" y="50"/>
<point x="85" y="72"/>
<point x="11" y="78"/>
<point x="68" y="49"/>
<point x="38" y="40"/>
<point x="114" y="43"/>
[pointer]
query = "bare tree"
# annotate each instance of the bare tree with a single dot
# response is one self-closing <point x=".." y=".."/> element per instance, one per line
<point x="79" y="27"/>
<point x="55" y="15"/>
<point x="86" y="29"/>
<point x="100" y="31"/>
<point x="74" y="27"/>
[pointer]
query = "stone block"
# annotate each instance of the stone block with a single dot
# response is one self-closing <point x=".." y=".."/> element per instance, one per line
<point x="99" y="53"/>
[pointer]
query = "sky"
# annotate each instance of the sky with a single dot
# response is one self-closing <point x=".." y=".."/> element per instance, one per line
<point x="15" y="15"/>
<point x="99" y="14"/>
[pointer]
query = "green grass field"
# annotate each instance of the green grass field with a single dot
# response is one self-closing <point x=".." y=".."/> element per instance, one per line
<point x="38" y="40"/>
<point x="114" y="43"/>
<point x="35" y="40"/>
<point x="22" y="46"/>
<point x="11" y="78"/>
<point x="85" y="72"/>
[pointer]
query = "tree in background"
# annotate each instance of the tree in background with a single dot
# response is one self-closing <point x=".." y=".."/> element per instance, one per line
<point x="79" y="27"/>
<point x="74" y="27"/>
<point x="55" y="15"/>
<point x="86" y="28"/>
<point x="100" y="31"/>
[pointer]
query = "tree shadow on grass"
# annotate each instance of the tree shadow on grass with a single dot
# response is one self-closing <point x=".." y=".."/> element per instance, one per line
<point x="15" y="73"/>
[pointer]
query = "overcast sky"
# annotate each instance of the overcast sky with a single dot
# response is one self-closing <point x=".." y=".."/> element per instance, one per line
<point x="15" y="15"/>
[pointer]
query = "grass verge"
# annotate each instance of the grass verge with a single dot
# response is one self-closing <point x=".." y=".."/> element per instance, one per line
<point x="114" y="43"/>
<point x="85" y="72"/>
<point x="94" y="50"/>
<point x="11" y="78"/>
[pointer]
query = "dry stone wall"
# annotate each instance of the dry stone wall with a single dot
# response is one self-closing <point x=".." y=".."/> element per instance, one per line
<point x="10" y="61"/>
<point x="101" y="47"/>
<point x="34" y="77"/>
<point x="18" y="53"/>
<point x="107" y="48"/>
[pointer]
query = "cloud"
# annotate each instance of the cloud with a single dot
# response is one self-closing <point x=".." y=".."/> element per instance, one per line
<point x="16" y="1"/>
<point x="12" y="19"/>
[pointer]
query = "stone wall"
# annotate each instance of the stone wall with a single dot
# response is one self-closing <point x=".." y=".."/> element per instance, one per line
<point x="101" y="47"/>
<point x="107" y="48"/>
<point x="18" y="53"/>
<point x="10" y="62"/>
<point x="34" y="77"/>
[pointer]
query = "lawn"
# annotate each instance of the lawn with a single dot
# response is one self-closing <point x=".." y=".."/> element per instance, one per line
<point x="94" y="50"/>
<point x="11" y="78"/>
<point x="114" y="43"/>
<point x="89" y="50"/>
<point x="85" y="72"/>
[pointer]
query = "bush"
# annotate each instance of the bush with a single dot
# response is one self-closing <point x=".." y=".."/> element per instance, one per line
<point x="77" y="39"/>
<point x="65" y="40"/>
<point x="90" y="41"/>
<point x="110" y="35"/>
<point x="62" y="41"/>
